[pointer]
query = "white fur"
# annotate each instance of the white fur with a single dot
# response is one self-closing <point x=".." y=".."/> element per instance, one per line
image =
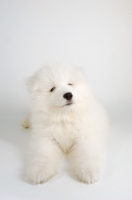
<point x="77" y="130"/>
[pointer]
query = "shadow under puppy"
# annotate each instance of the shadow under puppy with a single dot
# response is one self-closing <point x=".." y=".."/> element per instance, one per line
<point x="65" y="118"/>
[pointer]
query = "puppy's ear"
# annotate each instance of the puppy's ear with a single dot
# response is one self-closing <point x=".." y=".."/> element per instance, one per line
<point x="31" y="83"/>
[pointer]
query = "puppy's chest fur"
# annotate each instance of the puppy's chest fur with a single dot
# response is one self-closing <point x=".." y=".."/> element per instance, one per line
<point x="65" y="134"/>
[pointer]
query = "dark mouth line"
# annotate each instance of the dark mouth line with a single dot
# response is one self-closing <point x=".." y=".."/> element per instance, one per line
<point x="68" y="104"/>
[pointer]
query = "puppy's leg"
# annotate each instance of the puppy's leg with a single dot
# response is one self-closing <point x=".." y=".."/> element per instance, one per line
<point x="26" y="122"/>
<point x="86" y="159"/>
<point x="43" y="159"/>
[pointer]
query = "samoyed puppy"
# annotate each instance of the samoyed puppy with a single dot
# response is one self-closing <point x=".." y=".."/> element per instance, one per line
<point x="66" y="118"/>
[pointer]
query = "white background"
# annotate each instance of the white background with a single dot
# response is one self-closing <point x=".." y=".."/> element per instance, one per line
<point x="96" y="35"/>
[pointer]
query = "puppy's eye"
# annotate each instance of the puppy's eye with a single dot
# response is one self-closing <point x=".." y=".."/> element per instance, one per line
<point x="69" y="84"/>
<point x="52" y="89"/>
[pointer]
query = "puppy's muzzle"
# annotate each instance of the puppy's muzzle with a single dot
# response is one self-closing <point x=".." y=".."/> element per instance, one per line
<point x="68" y="96"/>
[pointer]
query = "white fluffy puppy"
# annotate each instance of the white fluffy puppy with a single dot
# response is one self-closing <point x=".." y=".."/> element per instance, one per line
<point x="65" y="118"/>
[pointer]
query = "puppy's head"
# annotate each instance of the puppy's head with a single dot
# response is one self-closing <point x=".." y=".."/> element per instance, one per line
<point x="57" y="87"/>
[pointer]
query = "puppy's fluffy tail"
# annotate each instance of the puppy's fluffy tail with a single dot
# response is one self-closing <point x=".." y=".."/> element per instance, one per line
<point x="26" y="122"/>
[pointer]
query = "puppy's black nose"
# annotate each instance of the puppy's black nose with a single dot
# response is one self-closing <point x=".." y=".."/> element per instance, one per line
<point x="68" y="96"/>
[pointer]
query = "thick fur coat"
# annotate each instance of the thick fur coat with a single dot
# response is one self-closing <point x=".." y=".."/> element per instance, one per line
<point x="65" y="118"/>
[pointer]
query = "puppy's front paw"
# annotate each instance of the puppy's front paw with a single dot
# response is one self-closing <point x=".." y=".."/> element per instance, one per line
<point x="40" y="173"/>
<point x="87" y="173"/>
